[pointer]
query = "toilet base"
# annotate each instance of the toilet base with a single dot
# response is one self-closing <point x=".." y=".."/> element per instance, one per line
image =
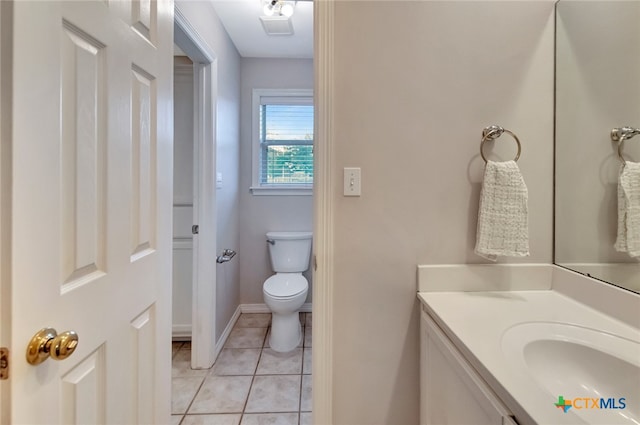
<point x="286" y="332"/>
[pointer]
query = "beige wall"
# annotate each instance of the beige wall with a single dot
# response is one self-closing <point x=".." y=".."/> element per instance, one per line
<point x="261" y="214"/>
<point x="415" y="83"/>
<point x="206" y="22"/>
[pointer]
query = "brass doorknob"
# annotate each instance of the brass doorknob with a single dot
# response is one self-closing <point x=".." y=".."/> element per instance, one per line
<point x="47" y="343"/>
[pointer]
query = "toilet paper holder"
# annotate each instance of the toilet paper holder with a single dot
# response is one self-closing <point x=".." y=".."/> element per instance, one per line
<point x="227" y="255"/>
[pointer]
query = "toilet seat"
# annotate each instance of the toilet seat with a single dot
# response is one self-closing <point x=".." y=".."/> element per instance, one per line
<point x="285" y="285"/>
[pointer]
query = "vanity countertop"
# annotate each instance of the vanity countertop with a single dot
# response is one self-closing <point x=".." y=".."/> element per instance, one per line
<point x="478" y="321"/>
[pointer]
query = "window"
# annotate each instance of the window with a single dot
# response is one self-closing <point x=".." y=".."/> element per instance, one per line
<point x="282" y="142"/>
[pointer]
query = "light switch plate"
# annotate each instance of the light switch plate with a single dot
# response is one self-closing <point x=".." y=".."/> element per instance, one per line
<point x="218" y="180"/>
<point x="352" y="181"/>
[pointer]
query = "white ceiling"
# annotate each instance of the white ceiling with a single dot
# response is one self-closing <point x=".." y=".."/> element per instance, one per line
<point x="241" y="19"/>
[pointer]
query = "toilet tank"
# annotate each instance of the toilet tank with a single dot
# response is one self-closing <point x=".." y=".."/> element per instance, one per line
<point x="289" y="251"/>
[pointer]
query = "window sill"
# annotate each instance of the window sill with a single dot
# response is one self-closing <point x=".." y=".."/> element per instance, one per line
<point x="281" y="191"/>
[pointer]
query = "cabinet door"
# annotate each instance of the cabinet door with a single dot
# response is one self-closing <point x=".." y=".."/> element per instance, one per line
<point x="452" y="392"/>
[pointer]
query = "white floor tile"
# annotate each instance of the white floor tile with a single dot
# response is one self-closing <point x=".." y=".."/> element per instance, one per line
<point x="308" y="330"/>
<point x="270" y="419"/>
<point x="237" y="361"/>
<point x="183" y="389"/>
<point x="306" y="401"/>
<point x="230" y="393"/>
<point x="181" y="366"/>
<point x="306" y="418"/>
<point x="246" y="338"/>
<point x="275" y="363"/>
<point x="280" y="393"/>
<point x="307" y="361"/>
<point x="222" y="394"/>
<point x="254" y="320"/>
<point x="223" y="419"/>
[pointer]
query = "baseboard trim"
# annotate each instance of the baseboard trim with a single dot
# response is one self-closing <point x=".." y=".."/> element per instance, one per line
<point x="262" y="308"/>
<point x="227" y="330"/>
<point x="181" y="333"/>
<point x="254" y="308"/>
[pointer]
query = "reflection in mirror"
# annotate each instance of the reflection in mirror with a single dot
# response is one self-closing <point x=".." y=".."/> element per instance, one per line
<point x="597" y="89"/>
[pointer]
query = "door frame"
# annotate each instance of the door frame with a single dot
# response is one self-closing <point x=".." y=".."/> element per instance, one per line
<point x="323" y="210"/>
<point x="205" y="85"/>
<point x="6" y="52"/>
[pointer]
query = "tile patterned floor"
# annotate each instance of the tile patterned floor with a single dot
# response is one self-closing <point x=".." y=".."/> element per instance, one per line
<point x="250" y="384"/>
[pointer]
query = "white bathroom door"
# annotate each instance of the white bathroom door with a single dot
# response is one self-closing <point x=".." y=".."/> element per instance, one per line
<point x="91" y="209"/>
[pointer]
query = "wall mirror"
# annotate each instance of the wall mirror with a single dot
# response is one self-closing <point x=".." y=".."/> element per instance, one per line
<point x="597" y="89"/>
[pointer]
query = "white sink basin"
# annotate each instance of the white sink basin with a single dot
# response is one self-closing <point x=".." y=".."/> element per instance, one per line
<point x="579" y="363"/>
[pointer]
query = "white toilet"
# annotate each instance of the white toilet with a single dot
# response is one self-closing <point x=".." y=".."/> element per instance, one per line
<point x="286" y="291"/>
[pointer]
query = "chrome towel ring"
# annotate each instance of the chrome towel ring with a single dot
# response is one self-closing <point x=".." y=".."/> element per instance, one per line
<point x="620" y="135"/>
<point x="492" y="132"/>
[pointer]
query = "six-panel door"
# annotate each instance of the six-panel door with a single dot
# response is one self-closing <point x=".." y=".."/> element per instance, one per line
<point x="91" y="221"/>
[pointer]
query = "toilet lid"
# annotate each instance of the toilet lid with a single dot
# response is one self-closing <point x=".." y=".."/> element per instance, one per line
<point x="285" y="285"/>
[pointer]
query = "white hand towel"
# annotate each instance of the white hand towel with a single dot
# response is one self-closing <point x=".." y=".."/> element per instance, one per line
<point x="629" y="209"/>
<point x="503" y="218"/>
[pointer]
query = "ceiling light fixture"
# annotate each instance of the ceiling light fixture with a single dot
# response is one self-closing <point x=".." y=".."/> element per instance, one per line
<point x="269" y="7"/>
<point x="278" y="8"/>
<point x="286" y="9"/>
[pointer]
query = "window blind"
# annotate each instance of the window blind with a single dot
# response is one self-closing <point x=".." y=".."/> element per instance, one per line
<point x="286" y="141"/>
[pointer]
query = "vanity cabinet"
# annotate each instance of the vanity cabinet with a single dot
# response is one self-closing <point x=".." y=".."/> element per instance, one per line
<point x="451" y="391"/>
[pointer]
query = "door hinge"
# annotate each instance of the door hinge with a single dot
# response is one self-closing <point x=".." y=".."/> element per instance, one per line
<point x="195" y="229"/>
<point x="4" y="363"/>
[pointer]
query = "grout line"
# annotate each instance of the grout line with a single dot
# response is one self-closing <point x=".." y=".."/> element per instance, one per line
<point x="272" y="412"/>
<point x="194" y="397"/>
<point x="177" y="351"/>
<point x="300" y="402"/>
<point x="204" y="377"/>
<point x="301" y="375"/>
<point x="217" y="414"/>
<point x="244" y="407"/>
<point x="259" y="376"/>
<point x="304" y="333"/>
<point x="253" y="377"/>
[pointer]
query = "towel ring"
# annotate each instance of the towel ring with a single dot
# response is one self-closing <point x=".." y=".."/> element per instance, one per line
<point x="493" y="132"/>
<point x="620" y="135"/>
